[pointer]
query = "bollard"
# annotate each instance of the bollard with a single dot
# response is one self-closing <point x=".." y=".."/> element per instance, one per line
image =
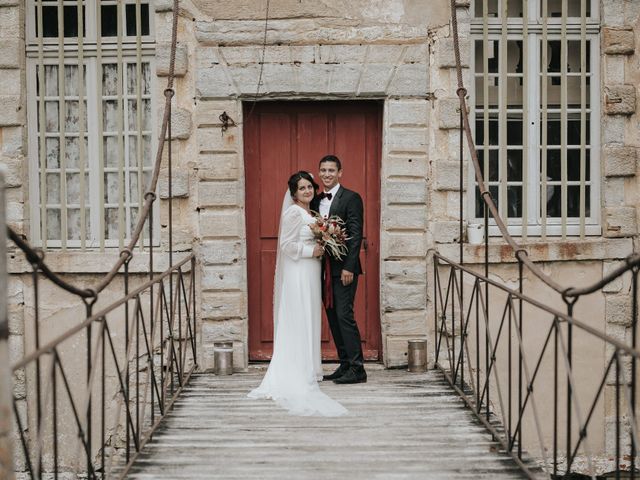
<point x="223" y="358"/>
<point x="417" y="356"/>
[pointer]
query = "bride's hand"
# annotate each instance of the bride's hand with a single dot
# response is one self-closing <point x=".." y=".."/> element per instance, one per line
<point x="318" y="251"/>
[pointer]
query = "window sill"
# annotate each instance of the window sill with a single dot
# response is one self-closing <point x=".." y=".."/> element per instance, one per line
<point x="555" y="250"/>
<point x="93" y="262"/>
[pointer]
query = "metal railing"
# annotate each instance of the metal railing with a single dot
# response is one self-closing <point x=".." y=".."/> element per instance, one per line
<point x="521" y="364"/>
<point x="96" y="392"/>
<point x="534" y="374"/>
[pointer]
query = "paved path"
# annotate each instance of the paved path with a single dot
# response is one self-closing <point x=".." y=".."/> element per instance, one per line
<point x="400" y="426"/>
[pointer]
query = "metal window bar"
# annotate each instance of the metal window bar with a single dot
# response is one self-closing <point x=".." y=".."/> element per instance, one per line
<point x="81" y="126"/>
<point x="80" y="218"/>
<point x="120" y="126"/>
<point x="583" y="113"/>
<point x="139" y="147"/>
<point x="62" y="107"/>
<point x="41" y="128"/>
<point x="562" y="202"/>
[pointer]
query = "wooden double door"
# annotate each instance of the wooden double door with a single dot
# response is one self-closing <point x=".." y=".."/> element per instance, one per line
<point x="281" y="138"/>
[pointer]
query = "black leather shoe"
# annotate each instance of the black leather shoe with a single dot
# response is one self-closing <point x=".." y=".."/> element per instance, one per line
<point x="340" y="371"/>
<point x="352" y="376"/>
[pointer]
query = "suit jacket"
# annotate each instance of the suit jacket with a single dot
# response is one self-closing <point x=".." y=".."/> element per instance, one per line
<point x="347" y="205"/>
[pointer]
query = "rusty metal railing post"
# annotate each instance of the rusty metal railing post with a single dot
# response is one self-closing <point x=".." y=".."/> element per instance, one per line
<point x="6" y="411"/>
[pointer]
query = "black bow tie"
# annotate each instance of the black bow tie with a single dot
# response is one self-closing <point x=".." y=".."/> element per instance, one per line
<point x="328" y="196"/>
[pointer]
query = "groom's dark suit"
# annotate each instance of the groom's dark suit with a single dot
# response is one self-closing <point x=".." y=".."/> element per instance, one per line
<point x="348" y="206"/>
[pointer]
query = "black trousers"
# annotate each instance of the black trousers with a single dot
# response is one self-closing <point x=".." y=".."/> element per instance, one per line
<point x="343" y="324"/>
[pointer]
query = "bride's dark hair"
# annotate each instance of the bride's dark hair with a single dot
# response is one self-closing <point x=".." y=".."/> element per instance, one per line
<point x="296" y="177"/>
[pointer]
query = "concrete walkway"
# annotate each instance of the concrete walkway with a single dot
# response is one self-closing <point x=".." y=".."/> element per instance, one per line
<point x="400" y="426"/>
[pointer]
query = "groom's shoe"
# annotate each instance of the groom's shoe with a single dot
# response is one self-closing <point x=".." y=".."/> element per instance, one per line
<point x="352" y="375"/>
<point x="340" y="371"/>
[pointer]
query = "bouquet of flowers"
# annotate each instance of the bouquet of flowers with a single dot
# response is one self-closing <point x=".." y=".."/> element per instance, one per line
<point x="330" y="233"/>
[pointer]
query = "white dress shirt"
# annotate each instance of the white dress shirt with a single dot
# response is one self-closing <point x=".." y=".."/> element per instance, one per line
<point x="325" y="203"/>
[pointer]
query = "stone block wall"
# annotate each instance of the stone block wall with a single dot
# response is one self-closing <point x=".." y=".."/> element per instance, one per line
<point x="379" y="58"/>
<point x="6" y="407"/>
<point x="620" y="141"/>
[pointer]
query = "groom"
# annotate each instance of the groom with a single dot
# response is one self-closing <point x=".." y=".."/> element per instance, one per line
<point x="346" y="204"/>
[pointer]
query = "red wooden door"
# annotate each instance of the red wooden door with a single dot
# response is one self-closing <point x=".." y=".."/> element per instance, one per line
<point x="281" y="138"/>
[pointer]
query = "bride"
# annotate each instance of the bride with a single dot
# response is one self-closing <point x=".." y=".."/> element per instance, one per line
<point x="295" y="368"/>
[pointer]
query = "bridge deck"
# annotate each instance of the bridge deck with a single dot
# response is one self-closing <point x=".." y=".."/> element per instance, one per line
<point x="400" y="426"/>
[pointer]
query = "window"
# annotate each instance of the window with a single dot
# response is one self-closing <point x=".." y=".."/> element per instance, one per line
<point x="536" y="116"/>
<point x="90" y="120"/>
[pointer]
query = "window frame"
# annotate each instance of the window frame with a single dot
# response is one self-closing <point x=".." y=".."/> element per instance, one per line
<point x="108" y="55"/>
<point x="592" y="224"/>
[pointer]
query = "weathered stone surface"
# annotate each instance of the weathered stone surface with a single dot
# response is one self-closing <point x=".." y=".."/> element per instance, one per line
<point x="620" y="221"/>
<point x="445" y="57"/>
<point x="11" y="108"/>
<point x="405" y="323"/>
<point x="13" y="170"/>
<point x="446" y="232"/>
<point x="407" y="165"/>
<point x="399" y="192"/>
<point x="223" y="277"/>
<point x="403" y="297"/>
<point x="613" y="68"/>
<point x="618" y="284"/>
<point x="179" y="184"/>
<point x="163" y="5"/>
<point x="447" y="175"/>
<point x="613" y="13"/>
<point x="407" y="140"/>
<point x="219" y="166"/>
<point x="213" y="139"/>
<point x="208" y="112"/>
<point x="163" y="58"/>
<point x="375" y="78"/>
<point x="412" y="113"/>
<point x="619" y="160"/>
<point x="219" y="194"/>
<point x="181" y="123"/>
<point x="302" y="32"/>
<point x="405" y="271"/>
<point x="410" y="80"/>
<point x="620" y="99"/>
<point x="342" y="53"/>
<point x="10" y="24"/>
<point x="404" y="244"/>
<point x="215" y="331"/>
<point x="221" y="223"/>
<point x="618" y="309"/>
<point x="214" y="82"/>
<point x="618" y="41"/>
<point x="613" y="191"/>
<point x="12" y="142"/>
<point x="11" y="51"/>
<point x="448" y="113"/>
<point x="396" y="352"/>
<point x="221" y="252"/>
<point x="218" y="305"/>
<point x="397" y="218"/>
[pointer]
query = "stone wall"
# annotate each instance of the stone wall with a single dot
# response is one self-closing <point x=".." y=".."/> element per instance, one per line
<point x="359" y="50"/>
<point x="6" y="408"/>
<point x="620" y="140"/>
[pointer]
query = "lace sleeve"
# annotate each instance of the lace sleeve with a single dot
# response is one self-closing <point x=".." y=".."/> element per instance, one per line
<point x="289" y="240"/>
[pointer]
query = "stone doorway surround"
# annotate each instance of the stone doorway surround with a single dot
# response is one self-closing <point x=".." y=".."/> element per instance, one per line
<point x="396" y="72"/>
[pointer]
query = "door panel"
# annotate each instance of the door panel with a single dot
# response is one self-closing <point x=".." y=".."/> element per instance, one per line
<point x="281" y="138"/>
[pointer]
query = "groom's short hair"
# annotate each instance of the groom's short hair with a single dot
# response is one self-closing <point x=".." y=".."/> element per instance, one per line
<point x="331" y="158"/>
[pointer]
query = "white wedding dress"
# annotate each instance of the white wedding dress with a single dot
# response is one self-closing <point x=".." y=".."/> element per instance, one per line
<point x="292" y="377"/>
